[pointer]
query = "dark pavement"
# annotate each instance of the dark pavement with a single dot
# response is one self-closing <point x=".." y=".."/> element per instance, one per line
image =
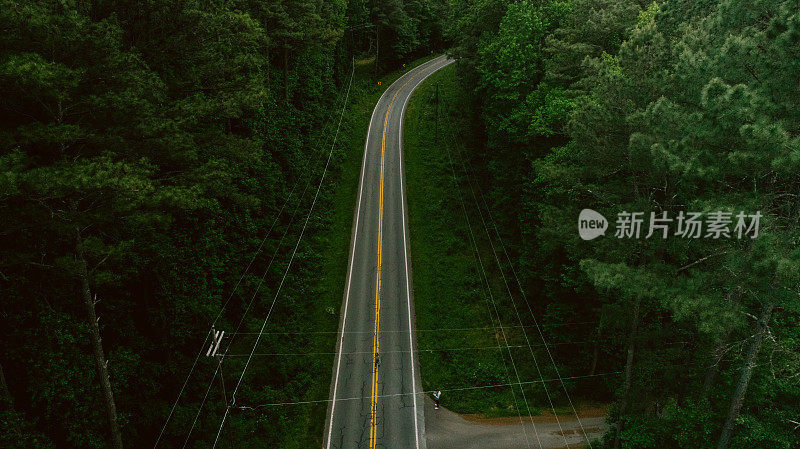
<point x="379" y="405"/>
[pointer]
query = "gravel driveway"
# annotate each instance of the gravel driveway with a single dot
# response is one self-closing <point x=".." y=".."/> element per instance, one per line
<point x="447" y="430"/>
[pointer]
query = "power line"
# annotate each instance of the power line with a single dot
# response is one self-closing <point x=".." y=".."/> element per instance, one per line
<point x="560" y="379"/>
<point x="441" y="329"/>
<point x="291" y="259"/>
<point x="306" y="166"/>
<point x="247" y="309"/>
<point x="511" y="298"/>
<point x="233" y="292"/>
<point x="432" y="350"/>
<point x="426" y="350"/>
<point x="236" y="332"/>
<point x="497" y="313"/>
<point x="472" y="387"/>
<point x="525" y="299"/>
<point x="402" y="351"/>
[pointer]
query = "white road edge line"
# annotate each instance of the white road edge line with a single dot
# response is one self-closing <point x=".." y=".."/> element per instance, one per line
<point x="352" y="256"/>
<point x="405" y="246"/>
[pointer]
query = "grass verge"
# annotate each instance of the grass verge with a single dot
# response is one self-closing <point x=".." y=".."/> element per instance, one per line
<point x="448" y="289"/>
<point x="461" y="347"/>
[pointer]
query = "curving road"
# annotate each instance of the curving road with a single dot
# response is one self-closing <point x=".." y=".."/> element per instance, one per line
<point x="377" y="401"/>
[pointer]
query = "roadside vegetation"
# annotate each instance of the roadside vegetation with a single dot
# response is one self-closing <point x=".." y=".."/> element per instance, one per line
<point x="469" y="333"/>
<point x="148" y="152"/>
<point x="158" y="160"/>
<point x="449" y="296"/>
<point x="657" y="107"/>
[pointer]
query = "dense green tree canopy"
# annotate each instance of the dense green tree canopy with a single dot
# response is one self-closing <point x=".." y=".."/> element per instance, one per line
<point x="656" y="107"/>
<point x="145" y="149"/>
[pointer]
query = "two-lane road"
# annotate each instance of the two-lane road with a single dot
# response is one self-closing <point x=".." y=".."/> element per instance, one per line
<point x="376" y="394"/>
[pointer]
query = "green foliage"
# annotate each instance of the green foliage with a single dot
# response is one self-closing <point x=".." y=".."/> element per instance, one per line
<point x="460" y="345"/>
<point x="442" y="256"/>
<point x="155" y="143"/>
<point x="394" y="31"/>
<point x="653" y="106"/>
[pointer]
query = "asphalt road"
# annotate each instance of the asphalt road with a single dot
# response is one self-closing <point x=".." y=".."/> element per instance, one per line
<point x="379" y="405"/>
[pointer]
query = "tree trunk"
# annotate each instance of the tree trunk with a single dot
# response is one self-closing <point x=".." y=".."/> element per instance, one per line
<point x="747" y="373"/>
<point x="713" y="367"/>
<point x="285" y="73"/>
<point x="97" y="345"/>
<point x="8" y="402"/>
<point x="719" y="352"/>
<point x="596" y="352"/>
<point x="628" y="370"/>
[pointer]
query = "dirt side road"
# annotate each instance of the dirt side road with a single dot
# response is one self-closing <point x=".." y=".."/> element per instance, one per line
<point x="447" y="430"/>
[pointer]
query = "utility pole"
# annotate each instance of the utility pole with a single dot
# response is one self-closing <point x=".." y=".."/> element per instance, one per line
<point x="222" y="382"/>
<point x="377" y="49"/>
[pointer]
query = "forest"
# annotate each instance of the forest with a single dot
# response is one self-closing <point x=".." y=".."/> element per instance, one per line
<point x="170" y="165"/>
<point x="154" y="160"/>
<point x="654" y="107"/>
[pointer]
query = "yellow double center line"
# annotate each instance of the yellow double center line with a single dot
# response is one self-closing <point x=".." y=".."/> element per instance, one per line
<point x="373" y="436"/>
